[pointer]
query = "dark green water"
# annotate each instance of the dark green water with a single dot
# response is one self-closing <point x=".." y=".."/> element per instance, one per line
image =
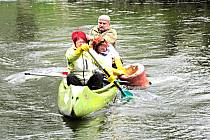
<point x="172" y="41"/>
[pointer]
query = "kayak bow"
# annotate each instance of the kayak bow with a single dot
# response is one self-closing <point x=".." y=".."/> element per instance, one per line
<point x="79" y="101"/>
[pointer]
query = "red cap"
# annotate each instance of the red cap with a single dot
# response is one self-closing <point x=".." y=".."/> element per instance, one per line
<point x="77" y="35"/>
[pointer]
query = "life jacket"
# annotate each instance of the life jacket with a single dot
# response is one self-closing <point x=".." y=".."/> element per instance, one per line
<point x="81" y="66"/>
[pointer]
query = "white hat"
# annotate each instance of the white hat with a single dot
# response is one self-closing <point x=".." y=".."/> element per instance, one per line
<point x="104" y="17"/>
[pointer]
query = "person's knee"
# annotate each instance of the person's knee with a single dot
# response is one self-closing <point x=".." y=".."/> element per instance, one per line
<point x="72" y="79"/>
<point x="99" y="75"/>
<point x="69" y="79"/>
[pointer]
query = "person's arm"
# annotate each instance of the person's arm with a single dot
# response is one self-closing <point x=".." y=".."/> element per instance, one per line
<point x="72" y="54"/>
<point x="92" y="33"/>
<point x="110" y="36"/>
<point x="118" y="63"/>
<point x="89" y="37"/>
<point x="102" y="63"/>
<point x="117" y="60"/>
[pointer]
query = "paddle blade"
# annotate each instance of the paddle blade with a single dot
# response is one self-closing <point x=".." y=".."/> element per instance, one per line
<point x="64" y="73"/>
<point x="126" y="93"/>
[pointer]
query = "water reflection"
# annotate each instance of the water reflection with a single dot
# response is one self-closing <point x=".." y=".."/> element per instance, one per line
<point x="203" y="57"/>
<point x="75" y="1"/>
<point x="88" y="127"/>
<point x="26" y="26"/>
<point x="172" y="40"/>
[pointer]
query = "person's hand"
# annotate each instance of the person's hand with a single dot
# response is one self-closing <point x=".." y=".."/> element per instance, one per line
<point x="98" y="39"/>
<point x="89" y="37"/>
<point x="85" y="47"/>
<point x="121" y="71"/>
<point x="111" y="79"/>
<point x="119" y="65"/>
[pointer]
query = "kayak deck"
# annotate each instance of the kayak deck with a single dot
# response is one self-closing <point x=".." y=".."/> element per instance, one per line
<point x="79" y="101"/>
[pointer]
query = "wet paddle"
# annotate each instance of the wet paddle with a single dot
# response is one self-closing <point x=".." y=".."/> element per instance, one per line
<point x="125" y="93"/>
<point x="64" y="74"/>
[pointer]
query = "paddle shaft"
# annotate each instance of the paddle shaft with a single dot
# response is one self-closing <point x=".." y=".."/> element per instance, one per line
<point x="63" y="76"/>
<point x="39" y="74"/>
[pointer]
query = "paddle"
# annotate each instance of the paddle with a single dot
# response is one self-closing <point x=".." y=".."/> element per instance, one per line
<point x="49" y="75"/>
<point x="125" y="93"/>
<point x="64" y="74"/>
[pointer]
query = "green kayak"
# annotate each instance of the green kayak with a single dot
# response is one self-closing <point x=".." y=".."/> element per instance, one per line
<point x="79" y="101"/>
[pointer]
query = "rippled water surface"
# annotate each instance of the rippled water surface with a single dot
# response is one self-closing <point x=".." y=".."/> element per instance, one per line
<point x="171" y="40"/>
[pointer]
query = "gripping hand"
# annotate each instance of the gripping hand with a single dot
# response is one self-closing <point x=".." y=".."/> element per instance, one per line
<point x="85" y="47"/>
<point x="111" y="78"/>
<point x="118" y="71"/>
<point x="121" y="71"/>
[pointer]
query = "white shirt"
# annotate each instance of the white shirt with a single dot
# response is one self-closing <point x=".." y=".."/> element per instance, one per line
<point x="108" y="56"/>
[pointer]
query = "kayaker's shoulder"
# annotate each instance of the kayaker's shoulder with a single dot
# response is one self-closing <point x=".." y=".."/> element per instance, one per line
<point x="112" y="31"/>
<point x="94" y="29"/>
<point x="70" y="50"/>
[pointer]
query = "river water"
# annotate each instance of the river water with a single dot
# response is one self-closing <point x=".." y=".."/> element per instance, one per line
<point x="171" y="40"/>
